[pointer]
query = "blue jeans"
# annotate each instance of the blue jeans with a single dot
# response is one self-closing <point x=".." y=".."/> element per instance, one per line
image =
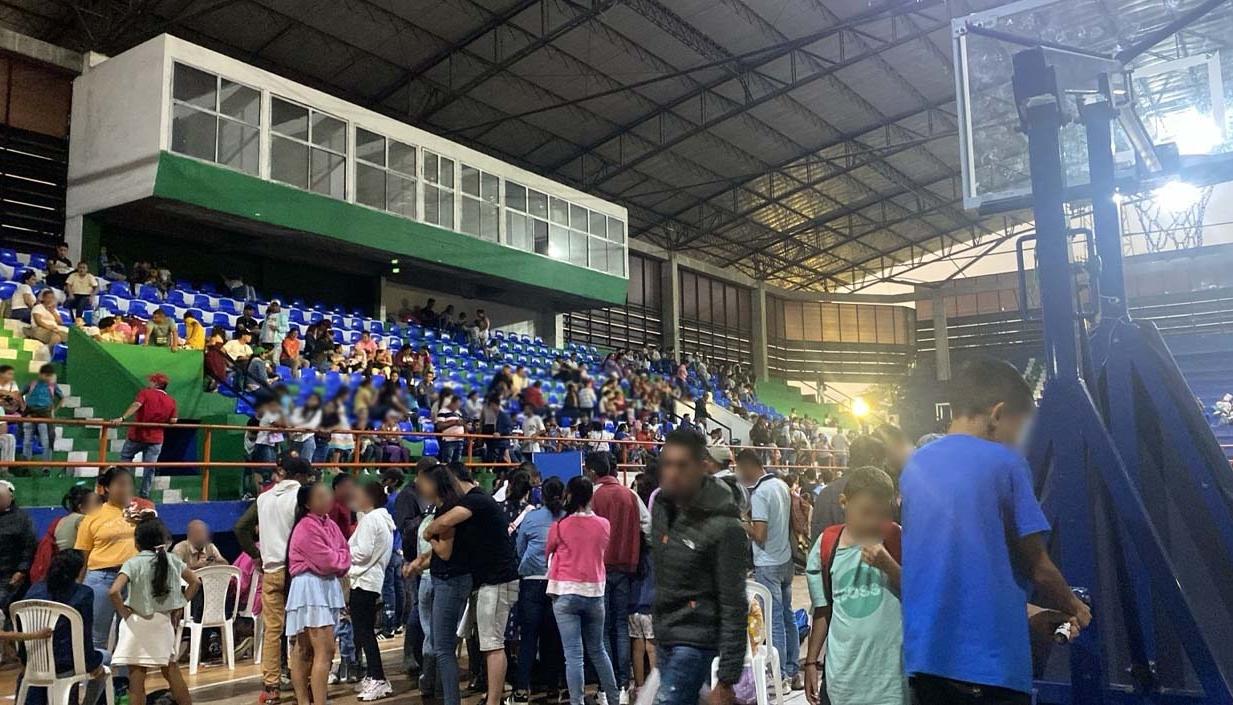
<point x="307" y="448"/>
<point x="149" y="454"/>
<point x="449" y="598"/>
<point x="27" y="440"/>
<point x="99" y="582"/>
<point x="616" y="622"/>
<point x="451" y="451"/>
<point x="413" y="639"/>
<point x="581" y="623"/>
<point x="428" y="664"/>
<point x="393" y="593"/>
<point x="345" y="633"/>
<point x="683" y="670"/>
<point x="778" y="579"/>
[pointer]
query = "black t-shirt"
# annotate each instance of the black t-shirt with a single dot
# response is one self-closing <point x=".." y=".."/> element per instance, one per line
<point x="484" y="540"/>
<point x="248" y="323"/>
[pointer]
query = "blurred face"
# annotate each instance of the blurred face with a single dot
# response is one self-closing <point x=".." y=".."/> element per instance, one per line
<point x="198" y="534"/>
<point x="680" y="473"/>
<point x="344" y="491"/>
<point x="6" y="376"/>
<point x="6" y="499"/>
<point x="120" y="492"/>
<point x="426" y="488"/>
<point x="320" y="500"/>
<point x="748" y="471"/>
<point x="1007" y="427"/>
<point x="90" y="503"/>
<point x="865" y="514"/>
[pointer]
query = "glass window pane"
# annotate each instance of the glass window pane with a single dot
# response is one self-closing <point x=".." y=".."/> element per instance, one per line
<point x="599" y="224"/>
<point x="446" y="172"/>
<point x="369" y="185"/>
<point x="598" y="255"/>
<point x="400" y="195"/>
<point x="541" y="236"/>
<point x="559" y="211"/>
<point x="537" y="203"/>
<point x="616" y="260"/>
<point x="329" y="174"/>
<point x="369" y="146"/>
<point x="329" y="132"/>
<point x="432" y="204"/>
<point x="470" y="215"/>
<point x="239" y="146"/>
<point x="192" y="132"/>
<point x="196" y="87"/>
<point x="289" y="162"/>
<point x="240" y="102"/>
<point x="288" y="119"/>
<point x="616" y="230"/>
<point x="577" y="217"/>
<point x="470" y="181"/>
<point x="490" y="187"/>
<point x="558" y="243"/>
<point x="431" y="165"/>
<point x="489" y="222"/>
<point x="515" y="228"/>
<point x="515" y="196"/>
<point x="446" y="208"/>
<point x="402" y="158"/>
<point x="578" y="248"/>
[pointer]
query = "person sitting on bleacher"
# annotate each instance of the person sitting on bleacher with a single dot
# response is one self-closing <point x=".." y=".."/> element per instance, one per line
<point x="161" y="333"/>
<point x="248" y="320"/>
<point x="80" y="288"/>
<point x="45" y="325"/>
<point x="239" y="348"/>
<point x="24" y="300"/>
<point x="194" y="332"/>
<point x="59" y="266"/>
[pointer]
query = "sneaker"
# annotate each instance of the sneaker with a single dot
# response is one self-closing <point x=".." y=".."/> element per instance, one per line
<point x="624" y="697"/>
<point x="786" y="686"/>
<point x="363" y="685"/>
<point x="376" y="690"/>
<point x="518" y="697"/>
<point x="269" y="696"/>
<point x="284" y="683"/>
<point x="798" y="682"/>
<point x="601" y="698"/>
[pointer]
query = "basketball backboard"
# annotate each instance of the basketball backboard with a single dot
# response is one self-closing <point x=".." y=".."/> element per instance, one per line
<point x="1179" y="88"/>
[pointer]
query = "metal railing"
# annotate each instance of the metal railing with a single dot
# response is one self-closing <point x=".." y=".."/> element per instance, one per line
<point x="356" y="462"/>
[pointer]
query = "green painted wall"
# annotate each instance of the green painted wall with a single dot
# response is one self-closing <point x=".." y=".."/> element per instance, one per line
<point x="778" y="394"/>
<point x="208" y="186"/>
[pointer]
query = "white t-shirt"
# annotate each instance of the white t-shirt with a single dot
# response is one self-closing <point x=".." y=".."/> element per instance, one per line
<point x="19" y="297"/>
<point x="272" y="437"/>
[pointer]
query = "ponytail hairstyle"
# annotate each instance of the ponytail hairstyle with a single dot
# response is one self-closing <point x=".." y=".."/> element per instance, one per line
<point x="578" y="494"/>
<point x="75" y="498"/>
<point x="553" y="494"/>
<point x="63" y="572"/>
<point x="151" y="535"/>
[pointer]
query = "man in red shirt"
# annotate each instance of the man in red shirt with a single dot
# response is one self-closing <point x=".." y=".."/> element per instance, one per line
<point x="152" y="405"/>
<point x="340" y="512"/>
<point x="628" y="520"/>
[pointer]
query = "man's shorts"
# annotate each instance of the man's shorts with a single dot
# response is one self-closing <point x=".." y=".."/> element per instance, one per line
<point x="492" y="607"/>
<point x="640" y="626"/>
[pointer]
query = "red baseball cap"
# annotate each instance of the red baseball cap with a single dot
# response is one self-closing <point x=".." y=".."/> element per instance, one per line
<point x="159" y="378"/>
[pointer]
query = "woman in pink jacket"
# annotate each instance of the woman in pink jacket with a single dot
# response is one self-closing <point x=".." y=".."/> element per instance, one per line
<point x="317" y="558"/>
<point x="576" y="580"/>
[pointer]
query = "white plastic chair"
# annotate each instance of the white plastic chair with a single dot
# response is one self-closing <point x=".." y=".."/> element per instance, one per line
<point x="756" y="659"/>
<point x="216" y="582"/>
<point x="246" y="612"/>
<point x="33" y="615"/>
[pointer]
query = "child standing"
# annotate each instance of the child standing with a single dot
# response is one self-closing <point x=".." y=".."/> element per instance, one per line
<point x="370" y="552"/>
<point x="317" y="557"/>
<point x="853" y="574"/>
<point x="147" y="638"/>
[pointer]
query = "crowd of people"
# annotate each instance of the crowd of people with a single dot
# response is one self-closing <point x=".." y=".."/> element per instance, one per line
<point x="545" y="576"/>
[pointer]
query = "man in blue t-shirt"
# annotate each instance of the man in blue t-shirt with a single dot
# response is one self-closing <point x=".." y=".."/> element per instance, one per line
<point x="974" y="547"/>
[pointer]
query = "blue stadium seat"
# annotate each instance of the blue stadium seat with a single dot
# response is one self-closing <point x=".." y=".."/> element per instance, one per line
<point x="9" y="257"/>
<point x="147" y="292"/>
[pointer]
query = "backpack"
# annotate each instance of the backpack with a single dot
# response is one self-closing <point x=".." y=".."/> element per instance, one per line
<point x="892" y="538"/>
<point x="44" y="553"/>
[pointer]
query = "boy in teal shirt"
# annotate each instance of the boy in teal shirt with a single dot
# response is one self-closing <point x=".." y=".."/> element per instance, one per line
<point x="853" y="576"/>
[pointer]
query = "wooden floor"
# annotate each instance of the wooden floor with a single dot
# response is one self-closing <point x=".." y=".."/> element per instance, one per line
<point x="215" y="684"/>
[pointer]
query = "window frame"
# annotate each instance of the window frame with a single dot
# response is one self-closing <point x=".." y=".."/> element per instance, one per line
<point x="387" y="170"/>
<point x="348" y="187"/>
<point x="217" y="113"/>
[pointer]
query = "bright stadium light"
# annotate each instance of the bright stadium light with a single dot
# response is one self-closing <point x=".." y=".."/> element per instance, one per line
<point x="1192" y="132"/>
<point x="1176" y="196"/>
<point x="860" y="408"/>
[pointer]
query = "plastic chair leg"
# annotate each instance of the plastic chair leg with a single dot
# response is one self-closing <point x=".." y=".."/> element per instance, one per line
<point x="109" y="689"/>
<point x="21" y="694"/>
<point x="60" y="692"/>
<point x="228" y="630"/>
<point x="258" y="638"/>
<point x="758" y="668"/>
<point x="773" y="655"/>
<point x="194" y="648"/>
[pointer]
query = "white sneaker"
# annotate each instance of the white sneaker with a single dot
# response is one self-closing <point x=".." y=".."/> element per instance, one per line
<point x="376" y="690"/>
<point x="363" y="684"/>
<point x="601" y="698"/>
<point x="787" y="686"/>
<point x="624" y="697"/>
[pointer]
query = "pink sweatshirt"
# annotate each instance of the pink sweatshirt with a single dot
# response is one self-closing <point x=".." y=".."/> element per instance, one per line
<point x="576" y="546"/>
<point x="318" y="546"/>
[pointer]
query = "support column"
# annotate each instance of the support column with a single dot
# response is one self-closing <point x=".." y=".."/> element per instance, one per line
<point x="551" y="327"/>
<point x="941" y="339"/>
<point x="760" y="362"/>
<point x="670" y="304"/>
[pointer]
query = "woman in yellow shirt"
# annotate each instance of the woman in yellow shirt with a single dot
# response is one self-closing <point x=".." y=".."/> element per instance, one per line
<point x="105" y="538"/>
<point x="194" y="332"/>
